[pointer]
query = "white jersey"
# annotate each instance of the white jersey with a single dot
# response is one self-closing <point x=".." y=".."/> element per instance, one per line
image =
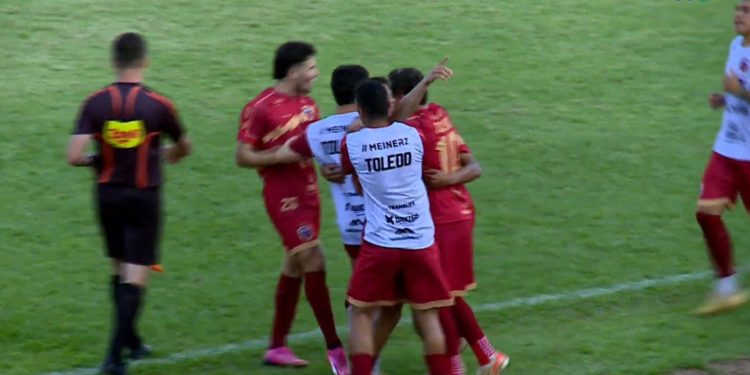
<point x="324" y="138"/>
<point x="733" y="140"/>
<point x="388" y="163"/>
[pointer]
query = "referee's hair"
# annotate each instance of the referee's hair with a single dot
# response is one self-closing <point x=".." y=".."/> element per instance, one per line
<point x="128" y="50"/>
<point x="404" y="80"/>
<point x="372" y="99"/>
<point x="290" y="54"/>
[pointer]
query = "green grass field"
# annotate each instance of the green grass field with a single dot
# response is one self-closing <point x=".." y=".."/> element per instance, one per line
<point x="589" y="119"/>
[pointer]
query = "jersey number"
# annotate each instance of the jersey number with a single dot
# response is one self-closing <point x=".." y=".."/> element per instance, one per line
<point x="447" y="148"/>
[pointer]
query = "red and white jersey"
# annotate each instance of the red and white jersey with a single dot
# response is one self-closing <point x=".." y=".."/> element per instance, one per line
<point x="322" y="141"/>
<point x="388" y="163"/>
<point x="733" y="140"/>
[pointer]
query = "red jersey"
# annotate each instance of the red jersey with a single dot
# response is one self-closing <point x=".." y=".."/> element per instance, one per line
<point x="268" y="121"/>
<point x="443" y="147"/>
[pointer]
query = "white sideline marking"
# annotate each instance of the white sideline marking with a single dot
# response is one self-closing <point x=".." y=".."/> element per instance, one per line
<point x="496" y="306"/>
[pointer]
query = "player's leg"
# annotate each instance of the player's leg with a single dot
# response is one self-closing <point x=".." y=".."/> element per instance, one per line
<point x="388" y="319"/>
<point x="140" y="215"/>
<point x="112" y="227"/>
<point x="426" y="289"/>
<point x="719" y="189"/>
<point x="286" y="298"/>
<point x="288" y="288"/>
<point x="428" y="321"/>
<point x="456" y="244"/>
<point x="312" y="264"/>
<point x="361" y="341"/>
<point x="373" y="285"/>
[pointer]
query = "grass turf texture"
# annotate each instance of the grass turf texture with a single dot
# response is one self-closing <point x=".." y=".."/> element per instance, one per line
<point x="589" y="119"/>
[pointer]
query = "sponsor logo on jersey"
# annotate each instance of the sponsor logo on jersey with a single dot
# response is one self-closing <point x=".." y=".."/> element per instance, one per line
<point x="357" y="223"/>
<point x="404" y="231"/>
<point x="404" y="234"/>
<point x="738" y="109"/>
<point x="392" y="219"/>
<point x="128" y="134"/>
<point x="402" y="205"/>
<point x="354" y="207"/>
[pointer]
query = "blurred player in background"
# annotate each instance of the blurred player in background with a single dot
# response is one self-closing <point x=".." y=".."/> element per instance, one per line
<point x="728" y="171"/>
<point x="398" y="260"/>
<point x="126" y="120"/>
<point x="291" y="197"/>
<point x="449" y="165"/>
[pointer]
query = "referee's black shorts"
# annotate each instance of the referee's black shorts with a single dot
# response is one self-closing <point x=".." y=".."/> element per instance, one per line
<point x="131" y="221"/>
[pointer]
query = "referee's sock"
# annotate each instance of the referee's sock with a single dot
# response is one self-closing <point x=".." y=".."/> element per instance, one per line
<point x="129" y="300"/>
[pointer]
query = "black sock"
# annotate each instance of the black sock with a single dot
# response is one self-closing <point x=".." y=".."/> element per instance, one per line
<point x="134" y="341"/>
<point x="129" y="297"/>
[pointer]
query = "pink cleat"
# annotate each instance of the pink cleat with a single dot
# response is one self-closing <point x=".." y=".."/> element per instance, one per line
<point x="337" y="358"/>
<point x="283" y="357"/>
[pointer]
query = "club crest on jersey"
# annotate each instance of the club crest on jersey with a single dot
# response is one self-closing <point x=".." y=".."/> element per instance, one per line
<point x="305" y="233"/>
<point x="128" y="134"/>
<point x="744" y="65"/>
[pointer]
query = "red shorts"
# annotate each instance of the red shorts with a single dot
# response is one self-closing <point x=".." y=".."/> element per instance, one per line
<point x="455" y="242"/>
<point x="297" y="222"/>
<point x="387" y="277"/>
<point x="726" y="178"/>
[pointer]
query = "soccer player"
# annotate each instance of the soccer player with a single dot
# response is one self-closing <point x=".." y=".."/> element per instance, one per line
<point x="398" y="259"/>
<point x="126" y="120"/>
<point x="449" y="165"/>
<point x="728" y="169"/>
<point x="291" y="197"/>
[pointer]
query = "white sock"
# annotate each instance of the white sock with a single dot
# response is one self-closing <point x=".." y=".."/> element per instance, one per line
<point x="727" y="285"/>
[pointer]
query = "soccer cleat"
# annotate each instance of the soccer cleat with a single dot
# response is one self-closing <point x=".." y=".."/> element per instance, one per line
<point x="283" y="357"/>
<point x="717" y="303"/>
<point x="337" y="359"/>
<point x="498" y="363"/>
<point x="144" y="351"/>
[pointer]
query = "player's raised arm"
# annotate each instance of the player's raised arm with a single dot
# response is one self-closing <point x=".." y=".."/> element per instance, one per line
<point x="410" y="102"/>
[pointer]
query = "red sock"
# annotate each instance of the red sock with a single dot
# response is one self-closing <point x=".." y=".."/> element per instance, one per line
<point x="287" y="296"/>
<point x="452" y="339"/>
<point x="362" y="364"/>
<point x="316" y="291"/>
<point x="469" y="329"/>
<point x="718" y="242"/>
<point x="438" y="364"/>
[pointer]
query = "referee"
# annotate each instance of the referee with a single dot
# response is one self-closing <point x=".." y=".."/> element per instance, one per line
<point x="126" y="120"/>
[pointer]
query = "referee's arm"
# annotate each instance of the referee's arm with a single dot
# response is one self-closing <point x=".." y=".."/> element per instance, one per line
<point x="81" y="137"/>
<point x="77" y="156"/>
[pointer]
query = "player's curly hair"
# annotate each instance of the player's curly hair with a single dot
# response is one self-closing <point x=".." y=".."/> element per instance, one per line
<point x="290" y="54"/>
